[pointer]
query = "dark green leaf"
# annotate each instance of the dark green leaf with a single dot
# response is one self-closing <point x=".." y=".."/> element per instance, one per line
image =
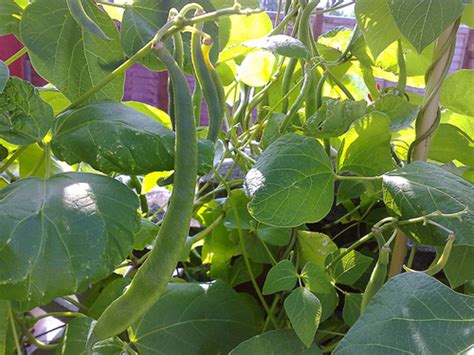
<point x="457" y="92"/>
<point x="85" y="221"/>
<point x="72" y="59"/>
<point x="460" y="266"/>
<point x="304" y="311"/>
<point x="76" y="336"/>
<point x="350" y="268"/>
<point x="401" y="112"/>
<point x="334" y="118"/>
<point x="4" y="75"/>
<point x="280" y="44"/>
<point x="238" y="273"/>
<point x="272" y="130"/>
<point x="291" y="183"/>
<point x="421" y="22"/>
<point x="113" y="137"/>
<point x="3" y="152"/>
<point x="315" y="279"/>
<point x="281" y="277"/>
<point x="213" y="318"/>
<point x="421" y="188"/>
<point x="365" y="148"/>
<point x="24" y="117"/>
<point x="274" y="235"/>
<point x="10" y="13"/>
<point x="276" y="342"/>
<point x="414" y="314"/>
<point x="351" y="310"/>
<point x="377" y="24"/>
<point x="4" y="325"/>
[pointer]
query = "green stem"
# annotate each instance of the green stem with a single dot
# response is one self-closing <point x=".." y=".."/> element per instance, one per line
<point x="12" y="159"/>
<point x="16" y="56"/>
<point x="402" y="71"/>
<point x="272" y="310"/>
<point x="121" y="6"/>
<point x="58" y="314"/>
<point x="357" y="178"/>
<point x="75" y="303"/>
<point x="13" y="326"/>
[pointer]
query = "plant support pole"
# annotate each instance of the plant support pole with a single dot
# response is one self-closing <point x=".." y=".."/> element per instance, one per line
<point x="427" y="122"/>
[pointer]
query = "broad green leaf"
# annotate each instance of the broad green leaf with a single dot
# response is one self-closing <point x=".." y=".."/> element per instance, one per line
<point x="144" y="18"/>
<point x="145" y="235"/>
<point x="315" y="279"/>
<point x="334" y="118"/>
<point x="281" y="277"/>
<point x="351" y="310"/>
<point x="4" y="75"/>
<point x="10" y="13"/>
<point x="304" y="311"/>
<point x="350" y="268"/>
<point x="256" y="249"/>
<point x="24" y="117"/>
<point x="457" y="92"/>
<point x="212" y="316"/>
<point x="464" y="123"/>
<point x="401" y="112"/>
<point x="231" y="33"/>
<point x="468" y="16"/>
<point x="85" y="221"/>
<point x="315" y="247"/>
<point x="274" y="235"/>
<point x="421" y="188"/>
<point x="113" y="137"/>
<point x="460" y="266"/>
<point x="33" y="162"/>
<point x="280" y="44"/>
<point x="349" y="189"/>
<point x="237" y="216"/>
<point x="450" y="143"/>
<point x="73" y="59"/>
<point x="377" y="24"/>
<point x="257" y="68"/>
<point x="292" y="183"/>
<point x="329" y="302"/>
<point x="277" y="342"/>
<point x="76" y="336"/>
<point x="111" y="292"/>
<point x="365" y="148"/>
<point x="407" y="305"/>
<point x="4" y="325"/>
<point x="421" y="22"/>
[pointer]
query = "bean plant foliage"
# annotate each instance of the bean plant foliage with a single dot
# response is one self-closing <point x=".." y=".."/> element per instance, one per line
<point x="314" y="212"/>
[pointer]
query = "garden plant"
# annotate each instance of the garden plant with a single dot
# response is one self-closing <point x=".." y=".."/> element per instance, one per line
<point x="315" y="212"/>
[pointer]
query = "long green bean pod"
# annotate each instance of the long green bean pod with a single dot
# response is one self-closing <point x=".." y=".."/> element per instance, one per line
<point x="307" y="83"/>
<point x="202" y="70"/>
<point x="439" y="264"/>
<point x="152" y="277"/>
<point x="80" y="15"/>
<point x="286" y="82"/>
<point x="379" y="273"/>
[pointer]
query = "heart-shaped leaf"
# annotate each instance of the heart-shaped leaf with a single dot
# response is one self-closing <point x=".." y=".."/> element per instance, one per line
<point x="60" y="234"/>
<point x="280" y="341"/>
<point x="414" y="314"/>
<point x="421" y="22"/>
<point x="292" y="183"/>
<point x="281" y="277"/>
<point x="304" y="311"/>
<point x="421" y="188"/>
<point x="72" y="58"/>
<point x="24" y="117"/>
<point x="213" y="317"/>
<point x="401" y="112"/>
<point x="457" y="92"/>
<point x="9" y="14"/>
